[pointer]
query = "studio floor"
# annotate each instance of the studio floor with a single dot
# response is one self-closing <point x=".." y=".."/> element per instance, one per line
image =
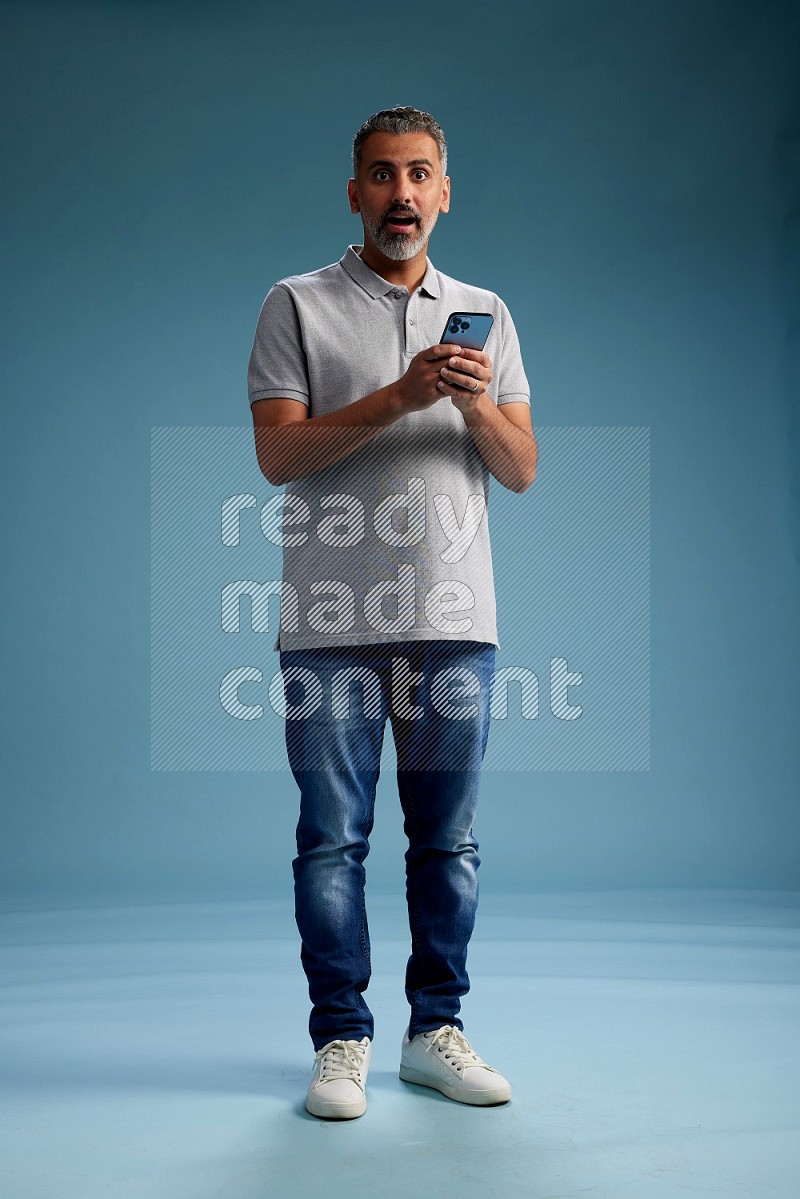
<point x="650" y="1037"/>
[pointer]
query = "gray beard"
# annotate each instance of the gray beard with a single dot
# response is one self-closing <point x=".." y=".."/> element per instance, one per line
<point x="399" y="246"/>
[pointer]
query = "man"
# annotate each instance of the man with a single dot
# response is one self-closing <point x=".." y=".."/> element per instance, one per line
<point x="363" y="414"/>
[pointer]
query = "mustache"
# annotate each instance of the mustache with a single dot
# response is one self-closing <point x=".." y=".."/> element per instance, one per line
<point x="400" y="212"/>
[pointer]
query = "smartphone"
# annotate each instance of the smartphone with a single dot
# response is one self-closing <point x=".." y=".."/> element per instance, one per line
<point x="467" y="329"/>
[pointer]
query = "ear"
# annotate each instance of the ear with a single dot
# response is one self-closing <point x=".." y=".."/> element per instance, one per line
<point x="352" y="195"/>
<point x="445" y="204"/>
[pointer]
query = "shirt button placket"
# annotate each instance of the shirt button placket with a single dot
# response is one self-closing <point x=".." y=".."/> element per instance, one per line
<point x="401" y="295"/>
<point x="411" y="326"/>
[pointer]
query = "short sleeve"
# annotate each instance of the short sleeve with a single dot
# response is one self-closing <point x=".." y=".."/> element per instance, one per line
<point x="278" y="365"/>
<point x="512" y="381"/>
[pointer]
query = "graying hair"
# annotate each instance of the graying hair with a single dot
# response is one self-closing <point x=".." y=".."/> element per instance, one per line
<point x="400" y="119"/>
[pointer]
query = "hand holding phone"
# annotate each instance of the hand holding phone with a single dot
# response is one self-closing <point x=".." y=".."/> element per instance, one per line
<point x="420" y="387"/>
<point x="470" y="331"/>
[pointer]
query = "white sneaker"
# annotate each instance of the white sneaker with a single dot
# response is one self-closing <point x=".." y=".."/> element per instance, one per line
<point x="445" y="1060"/>
<point x="338" y="1082"/>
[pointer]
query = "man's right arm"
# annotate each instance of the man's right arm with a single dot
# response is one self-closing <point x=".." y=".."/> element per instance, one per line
<point x="290" y="444"/>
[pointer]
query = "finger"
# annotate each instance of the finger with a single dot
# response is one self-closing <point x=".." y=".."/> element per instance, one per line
<point x="459" y="366"/>
<point x="477" y="356"/>
<point x="461" y="379"/>
<point x="441" y="350"/>
<point x="462" y="387"/>
<point x="449" y="372"/>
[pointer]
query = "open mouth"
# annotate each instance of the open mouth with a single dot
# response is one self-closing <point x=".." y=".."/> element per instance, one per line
<point x="400" y="224"/>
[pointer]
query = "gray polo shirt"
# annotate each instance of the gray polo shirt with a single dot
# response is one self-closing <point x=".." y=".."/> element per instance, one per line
<point x="392" y="542"/>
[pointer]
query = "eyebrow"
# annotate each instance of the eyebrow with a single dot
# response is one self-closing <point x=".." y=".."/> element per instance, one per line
<point x="414" y="162"/>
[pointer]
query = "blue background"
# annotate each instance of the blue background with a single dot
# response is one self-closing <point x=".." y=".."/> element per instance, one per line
<point x="625" y="175"/>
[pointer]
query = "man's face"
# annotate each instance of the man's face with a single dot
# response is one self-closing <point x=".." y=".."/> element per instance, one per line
<point x="400" y="176"/>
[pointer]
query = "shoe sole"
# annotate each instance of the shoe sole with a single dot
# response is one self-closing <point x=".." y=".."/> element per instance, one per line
<point x="336" y="1111"/>
<point x="476" y="1098"/>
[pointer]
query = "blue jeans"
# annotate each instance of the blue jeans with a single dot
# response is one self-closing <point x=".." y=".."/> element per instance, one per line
<point x="440" y="732"/>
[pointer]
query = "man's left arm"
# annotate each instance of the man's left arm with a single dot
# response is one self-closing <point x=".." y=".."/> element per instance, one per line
<point x="503" y="435"/>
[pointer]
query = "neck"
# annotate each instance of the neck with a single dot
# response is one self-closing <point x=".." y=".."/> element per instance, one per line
<point x="408" y="273"/>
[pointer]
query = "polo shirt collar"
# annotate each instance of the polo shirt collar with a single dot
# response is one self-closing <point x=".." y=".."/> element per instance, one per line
<point x="375" y="284"/>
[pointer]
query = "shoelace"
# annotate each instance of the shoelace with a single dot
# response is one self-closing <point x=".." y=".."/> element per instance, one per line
<point x="341" y="1059"/>
<point x="450" y="1042"/>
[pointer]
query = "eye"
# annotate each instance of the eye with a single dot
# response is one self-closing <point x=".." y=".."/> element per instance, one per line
<point x="420" y="171"/>
<point x="377" y="173"/>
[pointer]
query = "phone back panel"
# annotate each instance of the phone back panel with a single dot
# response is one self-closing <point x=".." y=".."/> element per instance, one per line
<point x="468" y="329"/>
